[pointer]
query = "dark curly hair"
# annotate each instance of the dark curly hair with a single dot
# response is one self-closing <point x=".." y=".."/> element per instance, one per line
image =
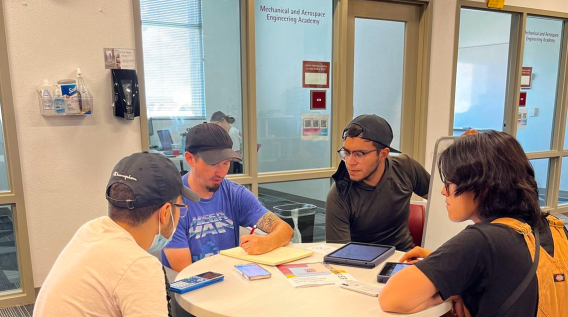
<point x="493" y="166"/>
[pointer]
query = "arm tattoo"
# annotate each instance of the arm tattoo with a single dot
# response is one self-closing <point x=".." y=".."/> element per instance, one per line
<point x="267" y="222"/>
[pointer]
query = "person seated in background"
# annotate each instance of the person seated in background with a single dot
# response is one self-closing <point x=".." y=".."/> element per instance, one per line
<point x="213" y="223"/>
<point x="487" y="178"/>
<point x="370" y="198"/>
<point x="226" y="122"/>
<point x="106" y="269"/>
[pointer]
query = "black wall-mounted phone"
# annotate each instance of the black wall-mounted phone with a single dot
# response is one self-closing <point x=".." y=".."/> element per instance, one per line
<point x="126" y="95"/>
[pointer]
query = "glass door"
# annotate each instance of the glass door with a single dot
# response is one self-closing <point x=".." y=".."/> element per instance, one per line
<point x="383" y="47"/>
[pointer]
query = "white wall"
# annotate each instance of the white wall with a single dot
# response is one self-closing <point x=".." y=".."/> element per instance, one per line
<point x="66" y="161"/>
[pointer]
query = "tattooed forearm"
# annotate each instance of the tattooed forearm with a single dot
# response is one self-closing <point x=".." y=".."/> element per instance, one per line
<point x="267" y="222"/>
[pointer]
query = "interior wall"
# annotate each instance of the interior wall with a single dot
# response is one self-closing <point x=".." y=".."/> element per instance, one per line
<point x="66" y="161"/>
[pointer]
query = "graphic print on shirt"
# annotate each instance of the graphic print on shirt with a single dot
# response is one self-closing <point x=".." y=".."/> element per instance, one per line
<point x="210" y="224"/>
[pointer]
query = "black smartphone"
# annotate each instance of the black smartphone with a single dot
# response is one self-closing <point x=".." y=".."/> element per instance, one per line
<point x="389" y="270"/>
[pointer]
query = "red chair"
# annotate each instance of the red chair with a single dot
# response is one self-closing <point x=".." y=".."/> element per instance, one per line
<point x="416" y="223"/>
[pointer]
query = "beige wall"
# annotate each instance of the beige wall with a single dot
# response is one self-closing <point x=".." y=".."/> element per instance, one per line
<point x="66" y="161"/>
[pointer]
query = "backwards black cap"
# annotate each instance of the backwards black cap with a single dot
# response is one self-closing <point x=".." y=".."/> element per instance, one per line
<point x="373" y="128"/>
<point x="153" y="179"/>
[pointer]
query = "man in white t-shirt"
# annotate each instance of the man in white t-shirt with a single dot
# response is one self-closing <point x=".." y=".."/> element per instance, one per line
<point x="106" y="269"/>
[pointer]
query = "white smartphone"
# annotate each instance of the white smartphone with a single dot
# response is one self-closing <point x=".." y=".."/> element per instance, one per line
<point x="252" y="271"/>
<point x="361" y="288"/>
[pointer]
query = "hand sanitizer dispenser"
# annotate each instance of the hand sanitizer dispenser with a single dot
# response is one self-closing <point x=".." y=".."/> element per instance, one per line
<point x="126" y="96"/>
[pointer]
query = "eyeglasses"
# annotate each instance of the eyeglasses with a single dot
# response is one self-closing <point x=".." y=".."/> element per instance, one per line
<point x="183" y="208"/>
<point x="357" y="155"/>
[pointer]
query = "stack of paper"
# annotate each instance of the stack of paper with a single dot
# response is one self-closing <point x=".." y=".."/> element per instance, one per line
<point x="312" y="274"/>
<point x="274" y="257"/>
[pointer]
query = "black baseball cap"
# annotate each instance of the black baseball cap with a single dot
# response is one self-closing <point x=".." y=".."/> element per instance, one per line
<point x="211" y="142"/>
<point x="153" y="179"/>
<point x="373" y="128"/>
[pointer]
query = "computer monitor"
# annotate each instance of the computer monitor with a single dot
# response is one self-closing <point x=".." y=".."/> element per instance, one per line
<point x="165" y="139"/>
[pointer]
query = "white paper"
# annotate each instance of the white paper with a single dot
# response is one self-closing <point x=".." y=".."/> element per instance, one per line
<point x="522" y="119"/>
<point x="313" y="274"/>
<point x="321" y="248"/>
<point x="315" y="127"/>
<point x="525" y="80"/>
<point x="119" y="58"/>
<point x="315" y="79"/>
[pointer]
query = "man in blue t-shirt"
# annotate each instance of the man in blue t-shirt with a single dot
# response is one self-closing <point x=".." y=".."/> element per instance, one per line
<point x="212" y="224"/>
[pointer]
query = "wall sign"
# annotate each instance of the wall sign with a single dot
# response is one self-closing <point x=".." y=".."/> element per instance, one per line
<point x="496" y="4"/>
<point x="119" y="58"/>
<point x="522" y="119"/>
<point x="523" y="99"/>
<point x="315" y="127"/>
<point x="315" y="74"/>
<point x="317" y="99"/>
<point x="526" y="77"/>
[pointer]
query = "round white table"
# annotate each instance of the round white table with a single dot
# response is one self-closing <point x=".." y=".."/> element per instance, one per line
<point x="236" y="296"/>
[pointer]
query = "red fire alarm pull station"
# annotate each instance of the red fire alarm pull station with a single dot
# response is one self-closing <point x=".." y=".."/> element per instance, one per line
<point x="523" y="99"/>
<point x="317" y="99"/>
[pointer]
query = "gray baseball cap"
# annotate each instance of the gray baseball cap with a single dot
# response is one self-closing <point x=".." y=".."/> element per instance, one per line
<point x="153" y="179"/>
<point x="211" y="142"/>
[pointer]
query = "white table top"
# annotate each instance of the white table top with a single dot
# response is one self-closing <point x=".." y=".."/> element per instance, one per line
<point x="236" y="296"/>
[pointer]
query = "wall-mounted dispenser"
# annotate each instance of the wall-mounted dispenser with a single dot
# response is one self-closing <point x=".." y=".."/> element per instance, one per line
<point x="126" y="95"/>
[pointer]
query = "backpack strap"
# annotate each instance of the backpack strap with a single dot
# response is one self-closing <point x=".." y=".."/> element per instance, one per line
<point x="555" y="222"/>
<point x="521" y="228"/>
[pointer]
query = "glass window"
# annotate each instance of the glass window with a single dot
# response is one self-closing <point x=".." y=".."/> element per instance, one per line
<point x="540" y="167"/>
<point x="4" y="185"/>
<point x="192" y="63"/>
<point x="9" y="272"/>
<point x="173" y="58"/>
<point x="563" y="193"/>
<point x="543" y="43"/>
<point x="481" y="77"/>
<point x="293" y="84"/>
<point x="378" y="71"/>
<point x="301" y="204"/>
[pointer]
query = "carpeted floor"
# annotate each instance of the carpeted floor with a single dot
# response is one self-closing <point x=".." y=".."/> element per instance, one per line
<point x="18" y="311"/>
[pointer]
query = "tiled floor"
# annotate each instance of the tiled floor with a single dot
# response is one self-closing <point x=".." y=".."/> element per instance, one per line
<point x="18" y="311"/>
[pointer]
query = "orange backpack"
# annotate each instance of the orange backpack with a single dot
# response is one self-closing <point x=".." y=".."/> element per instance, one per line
<point x="551" y="271"/>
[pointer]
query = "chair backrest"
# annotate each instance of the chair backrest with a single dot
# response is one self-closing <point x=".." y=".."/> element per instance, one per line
<point x="416" y="223"/>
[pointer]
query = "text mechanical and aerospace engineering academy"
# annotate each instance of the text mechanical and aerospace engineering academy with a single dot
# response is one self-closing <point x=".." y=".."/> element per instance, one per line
<point x="285" y="15"/>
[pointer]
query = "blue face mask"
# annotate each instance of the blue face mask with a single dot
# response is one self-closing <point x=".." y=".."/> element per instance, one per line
<point x="159" y="240"/>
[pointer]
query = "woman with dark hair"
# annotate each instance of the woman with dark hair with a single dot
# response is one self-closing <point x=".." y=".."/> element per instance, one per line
<point x="487" y="178"/>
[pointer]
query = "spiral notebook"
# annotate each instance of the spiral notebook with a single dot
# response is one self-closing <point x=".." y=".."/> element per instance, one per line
<point x="275" y="257"/>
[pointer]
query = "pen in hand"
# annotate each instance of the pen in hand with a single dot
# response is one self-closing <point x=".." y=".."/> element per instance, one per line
<point x="251" y="232"/>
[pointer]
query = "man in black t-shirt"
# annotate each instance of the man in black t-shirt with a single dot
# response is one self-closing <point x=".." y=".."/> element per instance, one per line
<point x="370" y="199"/>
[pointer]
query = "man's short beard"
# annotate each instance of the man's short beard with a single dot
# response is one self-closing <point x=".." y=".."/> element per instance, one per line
<point x="213" y="188"/>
